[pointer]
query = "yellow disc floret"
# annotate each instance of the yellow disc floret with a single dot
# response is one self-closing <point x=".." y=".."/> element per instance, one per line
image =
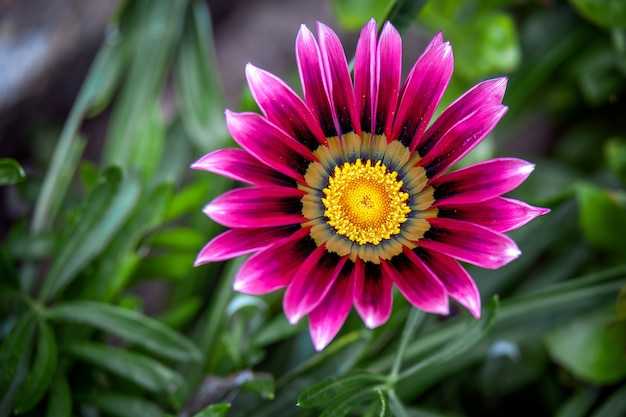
<point x="365" y="202"/>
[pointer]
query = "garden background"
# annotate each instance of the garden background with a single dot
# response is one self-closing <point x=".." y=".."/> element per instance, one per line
<point x="103" y="107"/>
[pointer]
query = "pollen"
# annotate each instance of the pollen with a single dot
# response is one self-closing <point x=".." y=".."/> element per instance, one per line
<point x="365" y="202"/>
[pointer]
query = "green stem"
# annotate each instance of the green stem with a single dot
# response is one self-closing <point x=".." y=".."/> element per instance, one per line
<point x="413" y="323"/>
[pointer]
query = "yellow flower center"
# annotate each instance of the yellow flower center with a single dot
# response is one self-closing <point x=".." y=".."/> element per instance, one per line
<point x="364" y="202"/>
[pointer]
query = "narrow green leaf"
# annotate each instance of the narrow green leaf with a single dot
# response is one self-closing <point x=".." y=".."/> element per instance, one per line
<point x="122" y="405"/>
<point x="140" y="369"/>
<point x="214" y="410"/>
<point x="155" y="27"/>
<point x="591" y="346"/>
<point x="474" y="332"/>
<point x="14" y="356"/>
<point x="614" y="406"/>
<point x="403" y="13"/>
<point x="130" y="325"/>
<point x="148" y="142"/>
<point x="11" y="172"/>
<point x="110" y="274"/>
<point x="327" y="390"/>
<point x="106" y="209"/>
<point x="198" y="83"/>
<point x="171" y="266"/>
<point x="345" y="405"/>
<point x="261" y="384"/>
<point x="41" y="374"/>
<point x="579" y="404"/>
<point x="59" y="398"/>
<point x="96" y="90"/>
<point x="395" y="405"/>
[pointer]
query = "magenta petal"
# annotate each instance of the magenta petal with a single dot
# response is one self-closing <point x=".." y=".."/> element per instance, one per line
<point x="338" y="78"/>
<point x="239" y="165"/>
<point x="311" y="283"/>
<point x="417" y="283"/>
<point x="486" y="93"/>
<point x="269" y="144"/>
<point x="373" y="295"/>
<point x="257" y="207"/>
<point x="267" y="271"/>
<point x="499" y="214"/>
<point x="469" y="242"/>
<point x="458" y="283"/>
<point x="461" y="138"/>
<point x="481" y="182"/>
<point x="421" y="94"/>
<point x="389" y="73"/>
<point x="236" y="242"/>
<point x="364" y="75"/>
<point x="314" y="85"/>
<point x="282" y="107"/>
<point x="326" y="319"/>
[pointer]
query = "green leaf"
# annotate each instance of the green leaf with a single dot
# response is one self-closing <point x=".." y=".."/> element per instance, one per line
<point x="603" y="221"/>
<point x="172" y="266"/>
<point x="59" y="398"/>
<point x="262" y="385"/>
<point x="353" y="14"/>
<point x="327" y="390"/>
<point x="345" y="405"/>
<point x="615" y="151"/>
<point x="118" y="261"/>
<point x="591" y="346"/>
<point x="473" y="333"/>
<point x="214" y="410"/>
<point x="579" y="404"/>
<point x="605" y="13"/>
<point x="198" y="83"/>
<point x="122" y="405"/>
<point x="403" y="13"/>
<point x="41" y="374"/>
<point x="11" y="172"/>
<point x="95" y="91"/>
<point x="14" y="357"/>
<point x="155" y="28"/>
<point x="180" y="238"/>
<point x="614" y="406"/>
<point x="130" y="325"/>
<point x="148" y="142"/>
<point x="106" y="209"/>
<point x="140" y="369"/>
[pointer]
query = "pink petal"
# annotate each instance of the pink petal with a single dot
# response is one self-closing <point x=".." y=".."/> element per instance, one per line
<point x="461" y="138"/>
<point x="421" y="93"/>
<point x="269" y="144"/>
<point x="459" y="284"/>
<point x="313" y="81"/>
<point x="326" y="319"/>
<point x="486" y="93"/>
<point x="499" y="214"/>
<point x="239" y="165"/>
<point x="480" y="182"/>
<point x="338" y="78"/>
<point x="389" y="73"/>
<point x="267" y="271"/>
<point x="282" y="107"/>
<point x="373" y="295"/>
<point x="257" y="207"/>
<point x="364" y="75"/>
<point x="311" y="283"/>
<point x="417" y="283"/>
<point x="237" y="242"/>
<point x="469" y="242"/>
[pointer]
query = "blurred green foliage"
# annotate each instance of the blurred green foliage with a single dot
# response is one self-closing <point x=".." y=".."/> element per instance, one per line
<point x="109" y="241"/>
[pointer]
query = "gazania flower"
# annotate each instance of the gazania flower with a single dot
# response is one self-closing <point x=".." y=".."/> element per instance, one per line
<point x="349" y="192"/>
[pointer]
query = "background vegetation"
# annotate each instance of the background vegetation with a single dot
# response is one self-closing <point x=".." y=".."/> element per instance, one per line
<point x="106" y="243"/>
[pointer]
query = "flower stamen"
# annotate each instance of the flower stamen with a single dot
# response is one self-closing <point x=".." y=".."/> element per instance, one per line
<point x="365" y="202"/>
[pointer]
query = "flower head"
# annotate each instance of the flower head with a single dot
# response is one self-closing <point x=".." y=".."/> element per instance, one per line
<point x="349" y="192"/>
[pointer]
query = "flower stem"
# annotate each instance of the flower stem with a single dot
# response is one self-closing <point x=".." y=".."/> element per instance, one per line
<point x="413" y="323"/>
